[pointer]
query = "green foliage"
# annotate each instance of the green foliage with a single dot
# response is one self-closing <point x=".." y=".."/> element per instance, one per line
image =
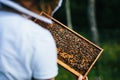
<point x="64" y="74"/>
<point x="107" y="68"/>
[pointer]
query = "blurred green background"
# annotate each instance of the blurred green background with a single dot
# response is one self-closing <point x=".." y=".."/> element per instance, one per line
<point x="108" y="25"/>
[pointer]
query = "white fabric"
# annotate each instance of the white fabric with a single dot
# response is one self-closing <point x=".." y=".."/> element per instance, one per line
<point x="26" y="49"/>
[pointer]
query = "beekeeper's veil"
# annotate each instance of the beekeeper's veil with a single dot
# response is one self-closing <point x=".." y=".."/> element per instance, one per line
<point x="20" y="8"/>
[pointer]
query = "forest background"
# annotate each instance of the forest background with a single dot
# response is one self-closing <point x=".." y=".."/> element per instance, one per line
<point x="107" y="23"/>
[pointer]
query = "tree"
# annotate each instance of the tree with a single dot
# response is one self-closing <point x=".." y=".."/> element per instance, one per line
<point x="68" y="14"/>
<point x="92" y="20"/>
